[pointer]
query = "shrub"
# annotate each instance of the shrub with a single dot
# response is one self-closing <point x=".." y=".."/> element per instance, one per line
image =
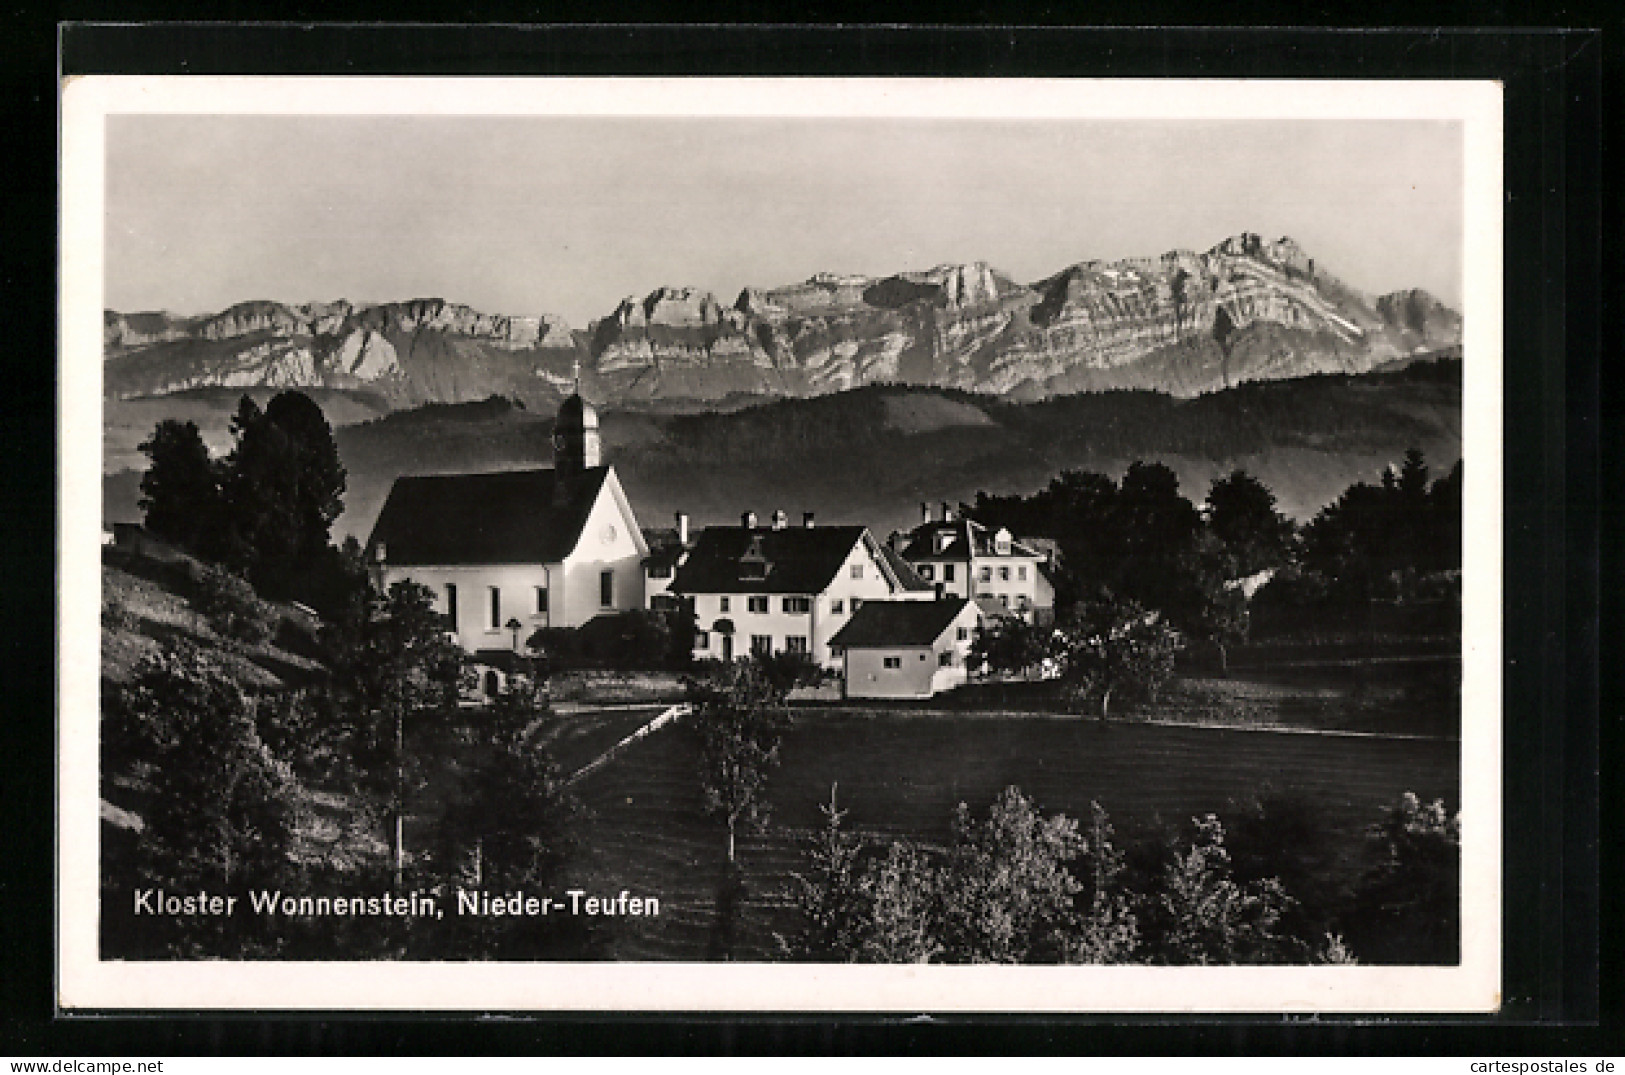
<point x="229" y="603"/>
<point x="1407" y="908"/>
<point x="116" y="615"/>
<point x="636" y="640"/>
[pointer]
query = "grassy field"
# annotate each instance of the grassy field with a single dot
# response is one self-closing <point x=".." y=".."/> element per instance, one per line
<point x="903" y="775"/>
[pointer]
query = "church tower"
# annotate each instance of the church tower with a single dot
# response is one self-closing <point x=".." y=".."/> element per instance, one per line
<point x="575" y="437"/>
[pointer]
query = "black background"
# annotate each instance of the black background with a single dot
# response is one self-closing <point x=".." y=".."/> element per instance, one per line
<point x="1562" y="498"/>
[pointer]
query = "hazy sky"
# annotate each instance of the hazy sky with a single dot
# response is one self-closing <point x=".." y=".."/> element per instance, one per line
<point x="569" y="215"/>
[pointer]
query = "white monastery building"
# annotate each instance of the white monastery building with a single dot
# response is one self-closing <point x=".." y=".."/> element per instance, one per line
<point x="783" y="588"/>
<point x="963" y="558"/>
<point x="907" y="649"/>
<point x="510" y="552"/>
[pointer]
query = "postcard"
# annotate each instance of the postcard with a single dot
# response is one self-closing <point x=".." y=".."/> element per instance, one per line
<point x="573" y="544"/>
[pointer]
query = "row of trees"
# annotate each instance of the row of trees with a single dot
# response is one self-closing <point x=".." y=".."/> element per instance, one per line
<point x="266" y="509"/>
<point x="1138" y="546"/>
<point x="1020" y="887"/>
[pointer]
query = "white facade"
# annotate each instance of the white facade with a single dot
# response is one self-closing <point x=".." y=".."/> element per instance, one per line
<point x="912" y="671"/>
<point x="1008" y="571"/>
<point x="786" y="626"/>
<point x="610" y="546"/>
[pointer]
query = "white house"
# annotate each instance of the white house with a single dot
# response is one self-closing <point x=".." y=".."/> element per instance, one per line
<point x="907" y="649"/>
<point x="962" y="557"/>
<point x="667" y="551"/>
<point x="782" y="588"/>
<point x="509" y="552"/>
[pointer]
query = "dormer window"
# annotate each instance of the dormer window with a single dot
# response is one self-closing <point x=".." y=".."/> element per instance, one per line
<point x="1001" y="542"/>
<point x="944" y="539"/>
<point x="753" y="565"/>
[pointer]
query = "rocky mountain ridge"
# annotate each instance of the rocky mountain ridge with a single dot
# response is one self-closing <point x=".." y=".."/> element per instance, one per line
<point x="1185" y="323"/>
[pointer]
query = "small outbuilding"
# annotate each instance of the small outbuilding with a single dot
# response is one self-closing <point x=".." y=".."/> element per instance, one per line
<point x="906" y="649"/>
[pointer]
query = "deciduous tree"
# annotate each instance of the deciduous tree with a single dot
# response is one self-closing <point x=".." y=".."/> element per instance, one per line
<point x="1008" y="890"/>
<point x="1114" y="648"/>
<point x="737" y="718"/>
<point x="1206" y="917"/>
<point x="1241" y="513"/>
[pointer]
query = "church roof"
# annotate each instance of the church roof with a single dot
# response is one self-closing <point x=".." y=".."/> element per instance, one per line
<point x="794" y="560"/>
<point x="576" y="413"/>
<point x="505" y="517"/>
<point x="898" y="623"/>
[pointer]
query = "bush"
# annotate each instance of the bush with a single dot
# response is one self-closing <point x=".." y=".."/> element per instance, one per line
<point x="229" y="603"/>
<point x="1408" y="906"/>
<point x="116" y="615"/>
<point x="637" y="640"/>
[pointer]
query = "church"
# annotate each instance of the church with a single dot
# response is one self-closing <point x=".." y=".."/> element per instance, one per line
<point x="511" y="552"/>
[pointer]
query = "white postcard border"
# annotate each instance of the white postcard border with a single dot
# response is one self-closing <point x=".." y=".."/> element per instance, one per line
<point x="85" y="982"/>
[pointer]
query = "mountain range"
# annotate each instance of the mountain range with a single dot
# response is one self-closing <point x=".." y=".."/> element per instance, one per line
<point x="1183" y="323"/>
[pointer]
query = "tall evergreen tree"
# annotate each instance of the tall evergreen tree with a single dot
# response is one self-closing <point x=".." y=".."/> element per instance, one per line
<point x="284" y="486"/>
<point x="180" y="493"/>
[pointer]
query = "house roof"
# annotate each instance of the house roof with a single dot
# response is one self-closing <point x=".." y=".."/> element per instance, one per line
<point x="993" y="608"/>
<point x="794" y="560"/>
<point x="899" y="623"/>
<point x="968" y="538"/>
<point x="506" y="517"/>
<point x="664" y="548"/>
<point x="906" y="575"/>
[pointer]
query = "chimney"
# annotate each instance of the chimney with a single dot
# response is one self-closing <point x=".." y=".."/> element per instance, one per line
<point x="682" y="529"/>
<point x="925" y="511"/>
<point x="748" y="520"/>
<point x="780" y="519"/>
<point x="947" y="513"/>
<point x="807" y="519"/>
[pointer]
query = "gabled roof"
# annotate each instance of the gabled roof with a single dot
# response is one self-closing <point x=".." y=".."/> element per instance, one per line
<point x="906" y="575"/>
<point x="968" y="538"/>
<point x="664" y="548"/>
<point x="899" y="623"/>
<point x="794" y="560"/>
<point x="506" y="517"/>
